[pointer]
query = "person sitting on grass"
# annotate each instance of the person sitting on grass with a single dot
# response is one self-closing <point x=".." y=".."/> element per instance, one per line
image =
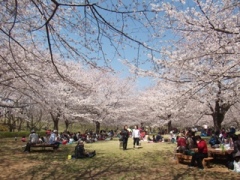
<point x="158" y="137"/>
<point x="80" y="151"/>
<point x="151" y="139"/>
<point x="201" y="154"/>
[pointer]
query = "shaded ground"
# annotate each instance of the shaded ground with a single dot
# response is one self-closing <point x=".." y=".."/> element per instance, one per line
<point x="149" y="162"/>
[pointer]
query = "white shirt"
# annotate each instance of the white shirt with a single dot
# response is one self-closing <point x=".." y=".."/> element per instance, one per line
<point x="236" y="166"/>
<point x="136" y="133"/>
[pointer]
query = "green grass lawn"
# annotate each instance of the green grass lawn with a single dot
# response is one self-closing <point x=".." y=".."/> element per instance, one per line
<point x="152" y="161"/>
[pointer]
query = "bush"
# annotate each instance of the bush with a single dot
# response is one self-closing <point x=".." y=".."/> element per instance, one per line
<point x="3" y="128"/>
<point x="19" y="134"/>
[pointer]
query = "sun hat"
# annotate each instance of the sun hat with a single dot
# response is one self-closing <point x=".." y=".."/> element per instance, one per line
<point x="180" y="135"/>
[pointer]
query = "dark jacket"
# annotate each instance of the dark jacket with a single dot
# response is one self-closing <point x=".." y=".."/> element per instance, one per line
<point x="79" y="151"/>
<point x="236" y="151"/>
<point x="125" y="134"/>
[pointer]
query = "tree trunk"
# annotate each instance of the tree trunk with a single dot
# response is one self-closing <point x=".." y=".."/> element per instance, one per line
<point x="55" y="120"/>
<point x="169" y="126"/>
<point x="55" y="124"/>
<point x="10" y="122"/>
<point x="97" y="127"/>
<point x="20" y="124"/>
<point x="67" y="124"/>
<point x="220" y="109"/>
<point x="28" y="125"/>
<point x="217" y="122"/>
<point x="218" y="114"/>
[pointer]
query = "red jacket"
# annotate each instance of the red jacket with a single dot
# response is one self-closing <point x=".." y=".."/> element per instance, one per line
<point x="181" y="142"/>
<point x="202" y="146"/>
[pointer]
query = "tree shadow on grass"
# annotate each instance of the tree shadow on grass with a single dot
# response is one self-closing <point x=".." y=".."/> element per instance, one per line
<point x="118" y="164"/>
<point x="181" y="171"/>
<point x="87" y="168"/>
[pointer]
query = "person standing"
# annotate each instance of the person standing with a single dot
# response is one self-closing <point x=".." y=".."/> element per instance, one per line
<point x="136" y="136"/>
<point x="201" y="154"/>
<point x="125" y="134"/>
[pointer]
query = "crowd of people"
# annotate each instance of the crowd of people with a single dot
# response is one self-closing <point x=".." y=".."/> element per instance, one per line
<point x="55" y="138"/>
<point x="186" y="142"/>
<point x="156" y="138"/>
<point x="137" y="134"/>
<point x="34" y="138"/>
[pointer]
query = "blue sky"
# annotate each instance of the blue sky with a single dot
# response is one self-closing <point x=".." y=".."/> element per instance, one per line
<point x="126" y="48"/>
<point x="142" y="82"/>
<point x="129" y="51"/>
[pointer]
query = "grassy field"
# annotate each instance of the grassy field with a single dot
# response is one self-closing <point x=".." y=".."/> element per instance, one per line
<point x="152" y="161"/>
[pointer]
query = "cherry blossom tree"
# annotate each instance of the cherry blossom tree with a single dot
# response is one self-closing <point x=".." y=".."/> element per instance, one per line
<point x="92" y="32"/>
<point x="192" y="44"/>
<point x="203" y="59"/>
<point x="90" y="94"/>
<point x="36" y="34"/>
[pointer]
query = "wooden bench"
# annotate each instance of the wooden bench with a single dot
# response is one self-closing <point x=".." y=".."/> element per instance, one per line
<point x="180" y="157"/>
<point x="206" y="161"/>
<point x="43" y="146"/>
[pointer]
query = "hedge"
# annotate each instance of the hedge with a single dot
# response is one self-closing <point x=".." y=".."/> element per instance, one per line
<point x="19" y="134"/>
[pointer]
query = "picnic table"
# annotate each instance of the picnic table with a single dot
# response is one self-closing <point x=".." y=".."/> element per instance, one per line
<point x="213" y="154"/>
<point x="180" y="157"/>
<point x="218" y="153"/>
